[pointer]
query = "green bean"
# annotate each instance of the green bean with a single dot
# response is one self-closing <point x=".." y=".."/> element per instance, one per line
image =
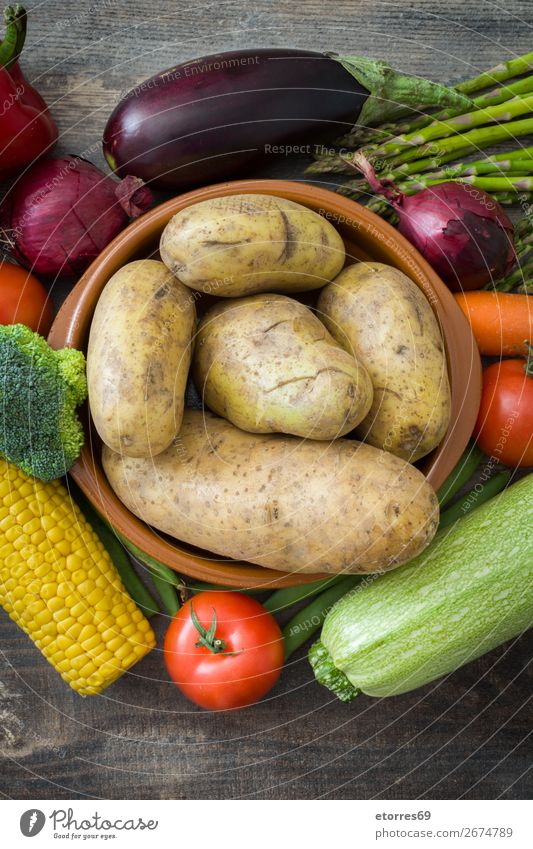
<point x="477" y="496"/>
<point x="462" y="473"/>
<point x="201" y="587"/>
<point x="166" y="581"/>
<point x="288" y="596"/>
<point x="165" y="571"/>
<point x="307" y="621"/>
<point x="167" y="591"/>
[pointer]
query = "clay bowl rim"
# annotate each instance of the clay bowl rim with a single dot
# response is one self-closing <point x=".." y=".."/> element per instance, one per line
<point x="464" y="365"/>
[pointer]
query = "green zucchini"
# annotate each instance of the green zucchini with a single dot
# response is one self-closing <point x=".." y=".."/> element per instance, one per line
<point x="468" y="592"/>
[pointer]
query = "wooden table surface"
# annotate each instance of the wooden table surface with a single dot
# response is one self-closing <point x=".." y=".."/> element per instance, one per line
<point x="463" y="737"/>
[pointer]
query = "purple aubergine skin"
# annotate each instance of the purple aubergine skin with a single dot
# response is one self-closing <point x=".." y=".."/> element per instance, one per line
<point x="211" y="118"/>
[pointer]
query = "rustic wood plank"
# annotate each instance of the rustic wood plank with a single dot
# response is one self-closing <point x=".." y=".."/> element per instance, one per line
<point x="465" y="736"/>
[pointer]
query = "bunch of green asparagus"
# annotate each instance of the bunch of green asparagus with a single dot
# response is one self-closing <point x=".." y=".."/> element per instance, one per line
<point x="426" y="150"/>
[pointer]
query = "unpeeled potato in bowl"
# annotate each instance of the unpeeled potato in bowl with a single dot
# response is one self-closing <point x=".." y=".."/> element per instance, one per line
<point x="384" y="320"/>
<point x="268" y="365"/>
<point x="280" y="502"/>
<point x="242" y="244"/>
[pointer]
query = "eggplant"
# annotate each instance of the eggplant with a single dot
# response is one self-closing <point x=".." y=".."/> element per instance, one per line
<point x="211" y="118"/>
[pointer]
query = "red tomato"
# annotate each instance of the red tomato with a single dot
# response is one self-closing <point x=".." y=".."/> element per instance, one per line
<point x="246" y="654"/>
<point x="504" y="427"/>
<point x="23" y="300"/>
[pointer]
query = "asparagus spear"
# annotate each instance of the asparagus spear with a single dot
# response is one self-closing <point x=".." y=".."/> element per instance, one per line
<point x="521" y="276"/>
<point x="443" y="129"/>
<point x="522" y="250"/>
<point x="518" y="153"/>
<point x="473" y="140"/>
<point x="501" y="72"/>
<point x="338" y="163"/>
<point x="512" y="167"/>
<point x="341" y="164"/>
<point x="334" y="164"/>
<point x="382" y="208"/>
<point x="497" y="184"/>
<point x="491" y="98"/>
<point x="416" y="167"/>
<point x="507" y="198"/>
<point x="523" y="228"/>
<point x="503" y="183"/>
<point x="428" y="163"/>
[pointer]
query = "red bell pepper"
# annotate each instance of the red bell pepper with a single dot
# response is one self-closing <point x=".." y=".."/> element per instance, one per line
<point x="27" y="130"/>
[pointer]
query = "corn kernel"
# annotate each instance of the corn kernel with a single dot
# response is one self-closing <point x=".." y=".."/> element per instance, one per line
<point x="95" y="596"/>
<point x="49" y="591"/>
<point x="86" y="632"/>
<point x="103" y="602"/>
<point x="74" y="563"/>
<point x="74" y="631"/>
<point x="44" y="617"/>
<point x="17" y="507"/>
<point x="122" y="621"/>
<point x="85" y="587"/>
<point x="65" y="623"/>
<point x="64" y="588"/>
<point x="50" y="629"/>
<point x="38" y="537"/>
<point x="78" y="662"/>
<point x="72" y="651"/>
<point x="87" y="670"/>
<point x="55" y="605"/>
<point x="91" y="644"/>
<point x="12" y="560"/>
<point x="52" y="555"/>
<point x="123" y="651"/>
<point x="86" y="617"/>
<point x="78" y="609"/>
<point x="130" y="630"/>
<point x="115" y="643"/>
<point x="47" y="522"/>
<point x="12" y="534"/>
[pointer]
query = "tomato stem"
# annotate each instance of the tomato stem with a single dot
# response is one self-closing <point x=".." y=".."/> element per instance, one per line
<point x="207" y="638"/>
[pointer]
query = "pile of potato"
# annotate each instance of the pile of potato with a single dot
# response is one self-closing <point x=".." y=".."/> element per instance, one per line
<point x="269" y="478"/>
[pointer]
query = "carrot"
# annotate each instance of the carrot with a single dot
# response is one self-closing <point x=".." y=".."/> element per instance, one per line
<point x="500" y="322"/>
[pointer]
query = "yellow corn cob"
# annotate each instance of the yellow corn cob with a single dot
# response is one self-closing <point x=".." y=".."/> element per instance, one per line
<point x="59" y="584"/>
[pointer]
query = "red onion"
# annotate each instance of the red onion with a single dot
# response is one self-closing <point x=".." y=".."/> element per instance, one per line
<point x="463" y="232"/>
<point x="59" y="216"/>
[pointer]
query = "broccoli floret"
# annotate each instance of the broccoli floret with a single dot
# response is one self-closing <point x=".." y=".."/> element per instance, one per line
<point x="39" y="391"/>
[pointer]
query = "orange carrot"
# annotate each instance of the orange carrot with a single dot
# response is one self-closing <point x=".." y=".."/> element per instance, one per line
<point x="501" y="322"/>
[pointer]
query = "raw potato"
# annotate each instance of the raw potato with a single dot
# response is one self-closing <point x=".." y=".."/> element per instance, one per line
<point x="242" y="244"/>
<point x="138" y="358"/>
<point x="296" y="506"/>
<point x="269" y="365"/>
<point x="383" y="318"/>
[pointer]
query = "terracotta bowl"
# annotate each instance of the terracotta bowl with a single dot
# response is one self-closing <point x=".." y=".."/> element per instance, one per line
<point x="366" y="236"/>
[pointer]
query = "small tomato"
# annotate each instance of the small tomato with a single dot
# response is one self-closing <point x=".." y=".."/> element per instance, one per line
<point x="504" y="428"/>
<point x="23" y="299"/>
<point x="224" y="650"/>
